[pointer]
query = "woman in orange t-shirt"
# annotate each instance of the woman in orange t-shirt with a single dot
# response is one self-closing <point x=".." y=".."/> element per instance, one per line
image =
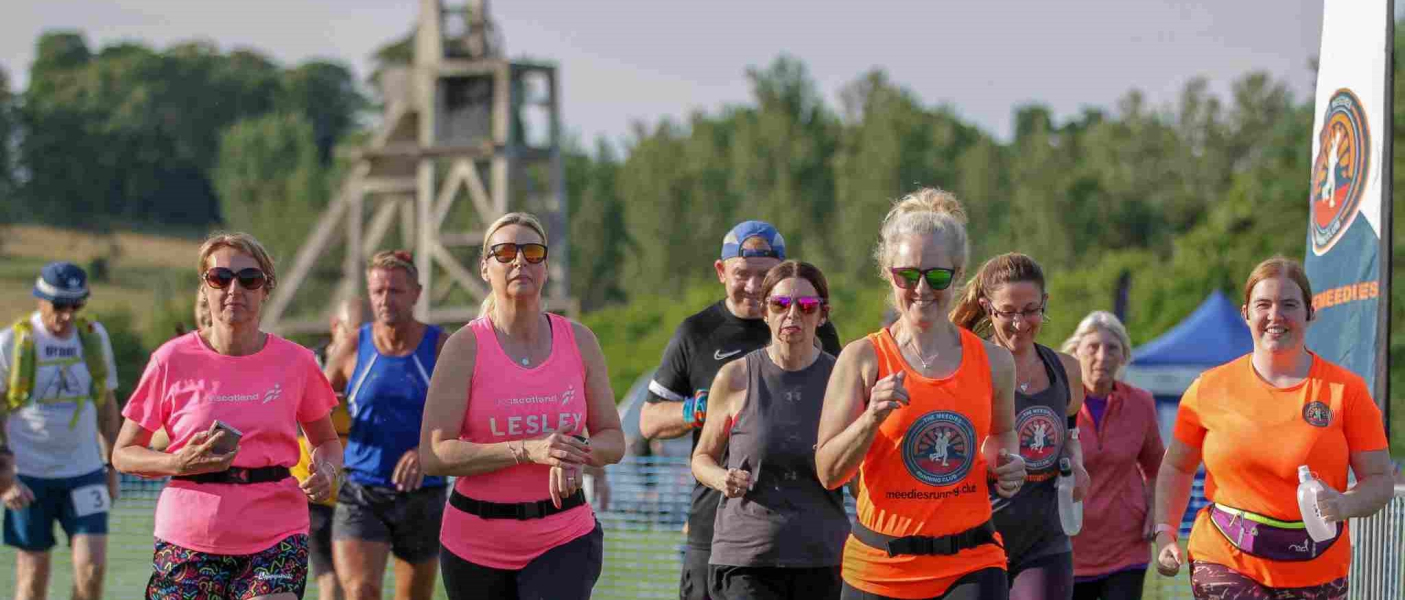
<point x="919" y="411"/>
<point x="1254" y="421"/>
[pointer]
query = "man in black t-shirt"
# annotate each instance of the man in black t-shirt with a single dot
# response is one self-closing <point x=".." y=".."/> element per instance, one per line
<point x="724" y="331"/>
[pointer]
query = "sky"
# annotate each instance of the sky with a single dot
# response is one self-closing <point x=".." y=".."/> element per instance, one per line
<point x="624" y="61"/>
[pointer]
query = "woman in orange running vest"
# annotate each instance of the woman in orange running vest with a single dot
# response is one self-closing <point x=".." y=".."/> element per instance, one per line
<point x="922" y="412"/>
<point x="1254" y="421"/>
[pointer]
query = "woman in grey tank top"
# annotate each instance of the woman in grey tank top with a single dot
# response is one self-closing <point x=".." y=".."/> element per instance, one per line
<point x="778" y="532"/>
<point x="1005" y="302"/>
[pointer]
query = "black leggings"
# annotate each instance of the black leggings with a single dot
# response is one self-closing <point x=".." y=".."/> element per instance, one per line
<point x="1044" y="578"/>
<point x="1122" y="585"/>
<point x="985" y="584"/>
<point x="566" y="572"/>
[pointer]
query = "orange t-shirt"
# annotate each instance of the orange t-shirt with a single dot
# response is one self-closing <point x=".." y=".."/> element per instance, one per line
<point x="1253" y="436"/>
<point x="925" y="475"/>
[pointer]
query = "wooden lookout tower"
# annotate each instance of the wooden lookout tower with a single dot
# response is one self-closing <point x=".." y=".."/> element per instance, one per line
<point x="466" y="137"/>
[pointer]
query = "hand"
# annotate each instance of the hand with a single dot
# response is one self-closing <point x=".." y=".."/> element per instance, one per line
<point x="1081" y="481"/>
<point x="199" y="456"/>
<point x="1009" y="474"/>
<point x="1168" y="555"/>
<point x="18" y="496"/>
<point x="1331" y="504"/>
<point x="7" y="470"/>
<point x="114" y="484"/>
<point x="557" y="449"/>
<point x="564" y="481"/>
<point x="736" y="484"/>
<point x="321" y="480"/>
<point x="407" y="476"/>
<point x="887" y="395"/>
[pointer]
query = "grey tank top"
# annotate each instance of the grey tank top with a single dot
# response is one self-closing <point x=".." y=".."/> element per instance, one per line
<point x="1029" y="522"/>
<point x="787" y="519"/>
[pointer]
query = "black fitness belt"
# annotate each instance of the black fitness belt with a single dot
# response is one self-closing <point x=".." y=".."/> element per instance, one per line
<point x="237" y="475"/>
<point x="945" y="545"/>
<point x="517" y="510"/>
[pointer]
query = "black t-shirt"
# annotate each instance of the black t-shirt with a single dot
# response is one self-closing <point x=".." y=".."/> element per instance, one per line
<point x="700" y="346"/>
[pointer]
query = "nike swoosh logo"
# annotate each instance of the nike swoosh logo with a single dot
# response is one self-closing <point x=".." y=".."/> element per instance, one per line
<point x="717" y="354"/>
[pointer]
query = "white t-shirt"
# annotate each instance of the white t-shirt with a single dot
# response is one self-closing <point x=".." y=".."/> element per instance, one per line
<point x="39" y="433"/>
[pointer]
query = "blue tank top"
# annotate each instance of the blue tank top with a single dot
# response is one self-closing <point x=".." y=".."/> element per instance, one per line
<point x="386" y="402"/>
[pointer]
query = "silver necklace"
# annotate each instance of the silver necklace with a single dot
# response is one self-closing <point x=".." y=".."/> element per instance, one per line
<point x="1024" y="387"/>
<point x="917" y="351"/>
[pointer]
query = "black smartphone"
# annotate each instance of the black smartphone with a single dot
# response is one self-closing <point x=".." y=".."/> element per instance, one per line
<point x="231" y="437"/>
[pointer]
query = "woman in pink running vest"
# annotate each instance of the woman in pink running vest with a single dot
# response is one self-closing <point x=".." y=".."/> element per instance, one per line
<point x="508" y="407"/>
<point x="232" y="523"/>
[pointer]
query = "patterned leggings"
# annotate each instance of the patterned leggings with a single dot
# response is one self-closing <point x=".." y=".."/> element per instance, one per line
<point x="185" y="574"/>
<point x="1210" y="581"/>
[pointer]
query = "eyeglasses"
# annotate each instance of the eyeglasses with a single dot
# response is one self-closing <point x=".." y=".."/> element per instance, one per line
<point x="808" y="304"/>
<point x="1028" y="314"/>
<point x="506" y="252"/>
<point x="910" y="277"/>
<point x="250" y="278"/>
<point x="68" y="305"/>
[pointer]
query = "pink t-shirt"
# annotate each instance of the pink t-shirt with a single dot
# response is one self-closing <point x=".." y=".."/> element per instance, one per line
<point x="508" y="402"/>
<point x="264" y="395"/>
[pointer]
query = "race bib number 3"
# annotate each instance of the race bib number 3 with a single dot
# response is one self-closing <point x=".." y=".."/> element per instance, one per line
<point x="91" y="500"/>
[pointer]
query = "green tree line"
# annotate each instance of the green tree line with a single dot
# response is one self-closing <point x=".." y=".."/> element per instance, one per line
<point x="1183" y="198"/>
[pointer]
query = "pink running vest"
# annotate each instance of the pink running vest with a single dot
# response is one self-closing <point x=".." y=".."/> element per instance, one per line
<point x="509" y="402"/>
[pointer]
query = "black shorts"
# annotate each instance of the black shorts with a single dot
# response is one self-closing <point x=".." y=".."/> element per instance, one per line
<point x="693" y="582"/>
<point x="319" y="537"/>
<point x="408" y="521"/>
<point x="778" y="583"/>
<point x="566" y="572"/>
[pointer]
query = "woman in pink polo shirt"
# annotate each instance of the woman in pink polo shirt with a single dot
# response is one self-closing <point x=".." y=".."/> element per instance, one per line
<point x="508" y="402"/>
<point x="232" y="523"/>
<point x="1122" y="452"/>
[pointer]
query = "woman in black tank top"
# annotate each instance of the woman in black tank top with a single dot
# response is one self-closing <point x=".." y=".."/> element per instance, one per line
<point x="778" y="533"/>
<point x="1005" y="301"/>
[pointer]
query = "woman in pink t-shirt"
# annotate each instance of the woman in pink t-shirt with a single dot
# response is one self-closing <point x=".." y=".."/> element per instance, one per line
<point x="232" y="523"/>
<point x="509" y="400"/>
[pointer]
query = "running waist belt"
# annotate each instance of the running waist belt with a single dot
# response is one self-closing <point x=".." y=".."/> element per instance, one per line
<point x="519" y="510"/>
<point x="1266" y="537"/>
<point x="918" y="544"/>
<point x="239" y="475"/>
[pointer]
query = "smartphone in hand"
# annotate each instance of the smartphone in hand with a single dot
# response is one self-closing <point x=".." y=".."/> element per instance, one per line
<point x="231" y="437"/>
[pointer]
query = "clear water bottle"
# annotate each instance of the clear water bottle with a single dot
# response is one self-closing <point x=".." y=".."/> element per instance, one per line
<point x="1070" y="512"/>
<point x="1317" y="527"/>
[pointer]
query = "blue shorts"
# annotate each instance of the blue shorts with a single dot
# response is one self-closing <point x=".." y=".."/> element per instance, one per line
<point x="32" y="528"/>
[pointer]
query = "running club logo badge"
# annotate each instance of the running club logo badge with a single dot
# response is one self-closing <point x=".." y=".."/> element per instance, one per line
<point x="1339" y="171"/>
<point x="939" y="448"/>
<point x="1317" y="414"/>
<point x="1040" y="437"/>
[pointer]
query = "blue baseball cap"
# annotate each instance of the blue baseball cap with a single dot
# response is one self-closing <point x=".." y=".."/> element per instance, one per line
<point x="61" y="282"/>
<point x="732" y="244"/>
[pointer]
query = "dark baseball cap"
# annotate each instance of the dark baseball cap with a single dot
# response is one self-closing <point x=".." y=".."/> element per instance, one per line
<point x="61" y="282"/>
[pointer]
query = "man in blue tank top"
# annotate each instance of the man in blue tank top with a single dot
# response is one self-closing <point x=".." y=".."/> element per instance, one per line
<point x="387" y="505"/>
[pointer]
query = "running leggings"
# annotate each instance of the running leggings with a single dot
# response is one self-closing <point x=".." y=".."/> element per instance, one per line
<point x="1044" y="578"/>
<point x="1209" y="581"/>
<point x="985" y="584"/>
<point x="1122" y="585"/>
<point x="566" y="572"/>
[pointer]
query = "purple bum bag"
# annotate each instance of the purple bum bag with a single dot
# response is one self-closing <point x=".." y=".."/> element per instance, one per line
<point x="1268" y="541"/>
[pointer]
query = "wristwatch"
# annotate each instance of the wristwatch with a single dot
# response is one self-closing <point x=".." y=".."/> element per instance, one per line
<point x="1166" y="529"/>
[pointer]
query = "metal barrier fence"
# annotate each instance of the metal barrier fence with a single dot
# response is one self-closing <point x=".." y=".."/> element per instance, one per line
<point x="649" y="499"/>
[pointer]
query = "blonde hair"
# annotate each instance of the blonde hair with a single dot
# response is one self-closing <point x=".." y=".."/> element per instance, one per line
<point x="1105" y="321"/>
<point x="524" y="219"/>
<point x="243" y="243"/>
<point x="395" y="259"/>
<point x="927" y="211"/>
<point x="1011" y="267"/>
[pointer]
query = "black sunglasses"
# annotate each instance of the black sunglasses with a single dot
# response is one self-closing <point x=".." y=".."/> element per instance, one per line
<point x="506" y="252"/>
<point x="250" y="278"/>
<point x="66" y="305"/>
<point x="910" y="277"/>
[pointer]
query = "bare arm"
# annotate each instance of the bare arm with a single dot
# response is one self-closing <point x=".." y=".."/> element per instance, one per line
<point x="341" y="361"/>
<point x="603" y="419"/>
<point x="197" y="456"/>
<point x="1073" y="449"/>
<point x="109" y="423"/>
<point x="663" y="420"/>
<point x="1003" y="442"/>
<point x="847" y="428"/>
<point x="326" y="446"/>
<point x="1173" y="483"/>
<point x="1375" y="485"/>
<point x="728" y="395"/>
